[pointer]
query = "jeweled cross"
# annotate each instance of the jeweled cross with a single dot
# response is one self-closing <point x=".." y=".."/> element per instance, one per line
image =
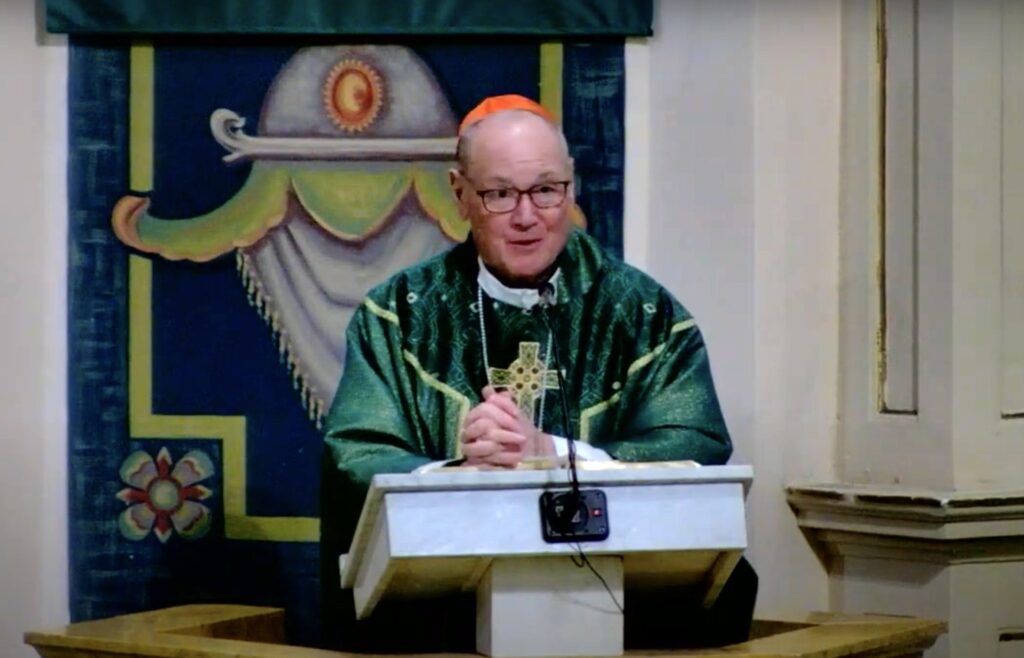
<point x="526" y="378"/>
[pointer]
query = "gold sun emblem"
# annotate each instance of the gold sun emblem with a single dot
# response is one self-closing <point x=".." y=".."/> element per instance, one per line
<point x="353" y="95"/>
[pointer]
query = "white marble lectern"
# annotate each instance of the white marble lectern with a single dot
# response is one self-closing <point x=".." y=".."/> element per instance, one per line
<point x="424" y="535"/>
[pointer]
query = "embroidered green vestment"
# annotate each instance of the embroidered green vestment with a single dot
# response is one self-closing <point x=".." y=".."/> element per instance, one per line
<point x="635" y="368"/>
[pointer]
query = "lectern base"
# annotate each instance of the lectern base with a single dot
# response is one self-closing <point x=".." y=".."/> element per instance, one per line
<point x="548" y="606"/>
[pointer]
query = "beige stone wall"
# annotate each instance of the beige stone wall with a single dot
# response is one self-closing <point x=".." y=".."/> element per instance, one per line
<point x="739" y="217"/>
<point x="33" y="551"/>
<point x="932" y="324"/>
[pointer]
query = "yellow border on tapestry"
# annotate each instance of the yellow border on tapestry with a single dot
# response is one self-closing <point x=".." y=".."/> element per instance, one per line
<point x="551" y="78"/>
<point x="140" y="118"/>
<point x="143" y="423"/>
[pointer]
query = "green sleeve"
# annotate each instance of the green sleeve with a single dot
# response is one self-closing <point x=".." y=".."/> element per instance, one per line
<point x="368" y="429"/>
<point x="673" y="411"/>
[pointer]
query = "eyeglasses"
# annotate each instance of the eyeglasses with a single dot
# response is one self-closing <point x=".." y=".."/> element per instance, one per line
<point x="505" y="199"/>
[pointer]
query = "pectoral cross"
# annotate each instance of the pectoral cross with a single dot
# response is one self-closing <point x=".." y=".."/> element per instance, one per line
<point x="526" y="378"/>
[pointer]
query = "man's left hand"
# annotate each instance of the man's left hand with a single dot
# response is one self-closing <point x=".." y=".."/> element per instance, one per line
<point x="496" y="416"/>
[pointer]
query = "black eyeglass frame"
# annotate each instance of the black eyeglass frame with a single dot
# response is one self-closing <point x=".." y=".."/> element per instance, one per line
<point x="530" y="191"/>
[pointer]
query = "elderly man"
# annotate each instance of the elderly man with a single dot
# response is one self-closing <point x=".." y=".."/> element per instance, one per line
<point x="452" y="359"/>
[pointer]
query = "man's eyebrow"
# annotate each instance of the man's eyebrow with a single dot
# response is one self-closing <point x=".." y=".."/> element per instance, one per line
<point x="549" y="176"/>
<point x="498" y="181"/>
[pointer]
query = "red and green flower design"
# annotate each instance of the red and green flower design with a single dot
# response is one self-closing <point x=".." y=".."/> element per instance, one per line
<point x="162" y="496"/>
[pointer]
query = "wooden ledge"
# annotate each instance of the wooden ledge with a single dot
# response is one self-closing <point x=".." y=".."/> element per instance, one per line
<point x="913" y="524"/>
<point x="913" y="503"/>
<point x="235" y="631"/>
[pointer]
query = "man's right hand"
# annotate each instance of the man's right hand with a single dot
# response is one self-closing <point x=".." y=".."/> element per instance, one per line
<point x="493" y="435"/>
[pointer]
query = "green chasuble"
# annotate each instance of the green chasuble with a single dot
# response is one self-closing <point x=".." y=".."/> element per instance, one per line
<point x="634" y="362"/>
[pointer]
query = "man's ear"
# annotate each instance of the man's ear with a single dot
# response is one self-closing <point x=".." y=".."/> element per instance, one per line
<point x="458" y="183"/>
<point x="455" y="181"/>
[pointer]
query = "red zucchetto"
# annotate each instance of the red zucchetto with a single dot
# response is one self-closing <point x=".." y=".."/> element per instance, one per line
<point x="489" y="106"/>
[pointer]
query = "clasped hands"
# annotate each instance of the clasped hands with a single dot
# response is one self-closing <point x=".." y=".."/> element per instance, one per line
<point x="496" y="434"/>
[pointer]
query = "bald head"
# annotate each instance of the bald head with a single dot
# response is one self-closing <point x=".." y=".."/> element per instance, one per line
<point x="505" y="125"/>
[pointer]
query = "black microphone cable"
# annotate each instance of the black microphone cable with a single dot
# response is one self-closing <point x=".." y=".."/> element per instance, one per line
<point x="547" y="301"/>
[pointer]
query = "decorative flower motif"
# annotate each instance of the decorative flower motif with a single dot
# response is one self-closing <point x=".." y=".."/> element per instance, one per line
<point x="162" y="498"/>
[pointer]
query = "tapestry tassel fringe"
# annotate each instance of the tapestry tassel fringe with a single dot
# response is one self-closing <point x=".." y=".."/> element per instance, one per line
<point x="311" y="402"/>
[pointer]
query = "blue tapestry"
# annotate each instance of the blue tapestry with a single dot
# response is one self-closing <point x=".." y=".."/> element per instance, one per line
<point x="229" y="204"/>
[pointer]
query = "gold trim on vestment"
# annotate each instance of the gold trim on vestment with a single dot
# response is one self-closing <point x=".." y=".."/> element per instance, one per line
<point x="639" y="363"/>
<point x="438" y="385"/>
<point x="380" y="311"/>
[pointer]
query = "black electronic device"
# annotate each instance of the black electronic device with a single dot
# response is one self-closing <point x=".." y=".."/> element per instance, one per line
<point x="574" y="516"/>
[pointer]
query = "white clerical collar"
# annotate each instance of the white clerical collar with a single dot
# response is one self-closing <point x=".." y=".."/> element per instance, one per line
<point x="518" y="297"/>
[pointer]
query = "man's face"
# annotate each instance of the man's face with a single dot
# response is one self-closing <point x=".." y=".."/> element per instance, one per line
<point x="508" y="151"/>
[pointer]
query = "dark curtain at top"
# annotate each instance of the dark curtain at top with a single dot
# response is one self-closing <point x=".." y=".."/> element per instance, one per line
<point x="368" y="17"/>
